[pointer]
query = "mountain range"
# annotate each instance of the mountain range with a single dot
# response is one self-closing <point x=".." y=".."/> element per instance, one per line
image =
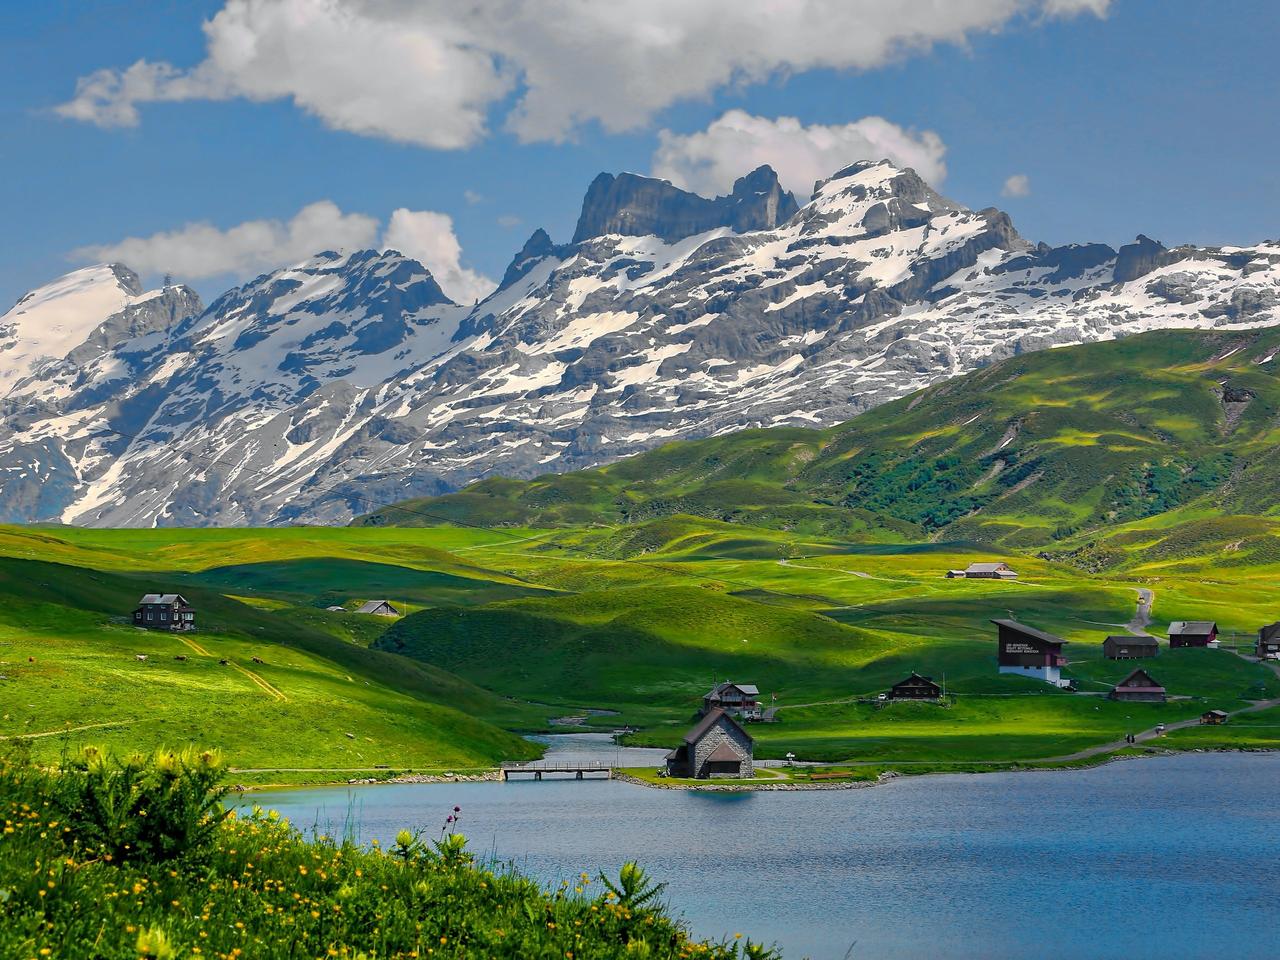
<point x="316" y="392"/>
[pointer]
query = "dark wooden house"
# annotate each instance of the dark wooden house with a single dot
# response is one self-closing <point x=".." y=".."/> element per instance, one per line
<point x="1214" y="717"/>
<point x="1029" y="652"/>
<point x="164" y="611"/>
<point x="1192" y="633"/>
<point x="915" y="687"/>
<point x="736" y="699"/>
<point x="984" y="571"/>
<point x="378" y="608"/>
<point x="1138" y="686"/>
<point x="716" y="746"/>
<point x="1130" y="648"/>
<point x="1269" y="642"/>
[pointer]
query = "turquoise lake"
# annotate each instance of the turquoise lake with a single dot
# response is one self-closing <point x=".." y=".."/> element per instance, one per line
<point x="1175" y="857"/>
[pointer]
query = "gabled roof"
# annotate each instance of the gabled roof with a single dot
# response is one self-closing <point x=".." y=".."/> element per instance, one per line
<point x="373" y="605"/>
<point x="1215" y="713"/>
<point x="700" y="729"/>
<point x="916" y="678"/>
<point x="724" y="754"/>
<point x="163" y="598"/>
<point x="986" y="567"/>
<point x="1131" y="641"/>
<point x="1031" y="632"/>
<point x="748" y="689"/>
<point x="1270" y="632"/>
<point x="1149" y="682"/>
<point x="1195" y="628"/>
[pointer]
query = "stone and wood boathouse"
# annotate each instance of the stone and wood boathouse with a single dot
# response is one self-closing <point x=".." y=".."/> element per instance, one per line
<point x="716" y="746"/>
<point x="1029" y="652"/>
<point x="164" y="611"/>
<point x="1138" y="686"/>
<point x="1127" y="647"/>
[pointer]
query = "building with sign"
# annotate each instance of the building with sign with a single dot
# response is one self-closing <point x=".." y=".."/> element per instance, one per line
<point x="1029" y="652"/>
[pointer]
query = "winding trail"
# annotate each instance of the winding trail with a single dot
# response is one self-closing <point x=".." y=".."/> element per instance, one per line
<point x="253" y="677"/>
<point x="54" y="733"/>
<point x="1142" y="615"/>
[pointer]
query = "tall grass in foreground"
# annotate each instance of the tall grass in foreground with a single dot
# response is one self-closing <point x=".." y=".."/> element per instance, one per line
<point x="137" y="859"/>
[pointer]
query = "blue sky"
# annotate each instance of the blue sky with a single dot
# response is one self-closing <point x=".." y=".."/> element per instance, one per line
<point x="1157" y="116"/>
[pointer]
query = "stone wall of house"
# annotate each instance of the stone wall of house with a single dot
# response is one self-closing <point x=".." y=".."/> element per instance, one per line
<point x="722" y="731"/>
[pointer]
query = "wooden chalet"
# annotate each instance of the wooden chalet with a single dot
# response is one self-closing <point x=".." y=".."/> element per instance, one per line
<point x="1029" y="652"/>
<point x="716" y="746"/>
<point x="1192" y="633"/>
<point x="1214" y="717"/>
<point x="165" y="611"/>
<point x="736" y="699"/>
<point x="1269" y="642"/>
<point x="1138" y="686"/>
<point x="915" y="687"/>
<point x="379" y="608"/>
<point x="1129" y="647"/>
<point x="984" y="571"/>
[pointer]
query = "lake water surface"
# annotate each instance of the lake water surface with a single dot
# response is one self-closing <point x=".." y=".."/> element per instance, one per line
<point x="1175" y="857"/>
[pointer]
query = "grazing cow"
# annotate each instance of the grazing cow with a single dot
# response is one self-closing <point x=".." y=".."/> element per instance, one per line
<point x="256" y="659"/>
<point x="140" y="657"/>
<point x="225" y="662"/>
<point x="181" y="656"/>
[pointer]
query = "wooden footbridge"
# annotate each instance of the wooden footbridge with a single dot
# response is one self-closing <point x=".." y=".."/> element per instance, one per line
<point x="536" y="768"/>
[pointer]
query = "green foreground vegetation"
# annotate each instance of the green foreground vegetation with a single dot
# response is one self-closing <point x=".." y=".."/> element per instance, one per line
<point x="810" y="563"/>
<point x="172" y="874"/>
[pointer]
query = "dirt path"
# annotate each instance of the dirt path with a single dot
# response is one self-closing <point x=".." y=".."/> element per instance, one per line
<point x="1142" y="615"/>
<point x="829" y="570"/>
<point x="253" y="677"/>
<point x="54" y="733"/>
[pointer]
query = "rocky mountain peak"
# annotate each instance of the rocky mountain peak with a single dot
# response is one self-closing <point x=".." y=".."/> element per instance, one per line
<point x="636" y="206"/>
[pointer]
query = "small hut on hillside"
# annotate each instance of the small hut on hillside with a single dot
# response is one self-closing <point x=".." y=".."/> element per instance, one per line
<point x="1138" y="686"/>
<point x="1130" y="648"/>
<point x="1269" y="642"/>
<point x="984" y="571"/>
<point x="915" y="687"/>
<point x="1192" y="633"/>
<point x="378" y="608"/>
<point x="1214" y="717"/>
<point x="716" y="746"/>
<point x="164" y="611"/>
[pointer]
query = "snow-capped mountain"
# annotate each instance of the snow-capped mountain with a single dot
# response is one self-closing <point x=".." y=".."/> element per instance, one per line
<point x="317" y="392"/>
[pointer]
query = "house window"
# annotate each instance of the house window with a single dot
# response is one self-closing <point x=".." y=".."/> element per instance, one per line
<point x="150" y="616"/>
<point x="137" y="614"/>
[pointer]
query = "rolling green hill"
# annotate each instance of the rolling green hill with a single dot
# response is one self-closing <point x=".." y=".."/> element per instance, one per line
<point x="1156" y="447"/>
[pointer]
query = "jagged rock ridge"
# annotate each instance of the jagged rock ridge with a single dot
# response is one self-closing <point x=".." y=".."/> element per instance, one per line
<point x="318" y="391"/>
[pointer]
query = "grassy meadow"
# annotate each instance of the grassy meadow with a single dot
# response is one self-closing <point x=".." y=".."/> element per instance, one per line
<point x="537" y="624"/>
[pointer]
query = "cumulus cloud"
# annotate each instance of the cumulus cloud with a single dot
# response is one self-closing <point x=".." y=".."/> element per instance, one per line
<point x="709" y="160"/>
<point x="200" y="250"/>
<point x="1018" y="185"/>
<point x="430" y="71"/>
<point x="428" y="237"/>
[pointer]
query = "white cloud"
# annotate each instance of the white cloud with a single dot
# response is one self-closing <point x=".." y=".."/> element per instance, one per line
<point x="1018" y="185"/>
<point x="710" y="160"/>
<point x="509" y="221"/>
<point x="429" y="71"/>
<point x="473" y="197"/>
<point x="428" y="237"/>
<point x="199" y="250"/>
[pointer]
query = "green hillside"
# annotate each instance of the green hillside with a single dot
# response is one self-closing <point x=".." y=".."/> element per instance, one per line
<point x="1157" y="447"/>
<point x="316" y="704"/>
